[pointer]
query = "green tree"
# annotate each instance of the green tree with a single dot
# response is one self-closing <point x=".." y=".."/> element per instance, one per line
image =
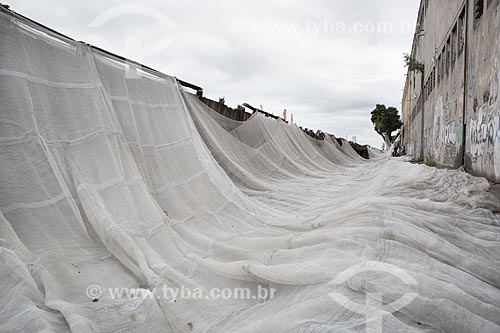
<point x="386" y="120"/>
<point x="413" y="64"/>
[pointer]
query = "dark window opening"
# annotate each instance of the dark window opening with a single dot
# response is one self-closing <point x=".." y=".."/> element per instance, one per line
<point x="440" y="65"/>
<point x="478" y="9"/>
<point x="421" y="23"/>
<point x="461" y="32"/>
<point x="431" y="82"/>
<point x="421" y="19"/>
<point x="448" y="55"/>
<point x="443" y="64"/>
<point x="454" y="37"/>
<point x="433" y="78"/>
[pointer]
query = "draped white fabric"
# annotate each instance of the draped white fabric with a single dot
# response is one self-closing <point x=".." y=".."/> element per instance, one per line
<point x="114" y="177"/>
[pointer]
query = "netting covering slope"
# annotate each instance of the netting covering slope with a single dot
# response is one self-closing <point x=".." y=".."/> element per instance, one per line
<point x="117" y="178"/>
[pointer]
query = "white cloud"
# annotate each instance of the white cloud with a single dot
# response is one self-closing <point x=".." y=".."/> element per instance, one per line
<point x="323" y="60"/>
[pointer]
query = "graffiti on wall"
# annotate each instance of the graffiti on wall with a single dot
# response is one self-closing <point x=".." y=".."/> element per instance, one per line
<point x="446" y="131"/>
<point x="438" y="128"/>
<point x="485" y="127"/>
<point x="452" y="140"/>
<point x="450" y="134"/>
<point x="484" y="136"/>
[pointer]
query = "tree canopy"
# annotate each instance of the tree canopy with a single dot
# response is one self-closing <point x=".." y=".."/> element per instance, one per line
<point x="386" y="120"/>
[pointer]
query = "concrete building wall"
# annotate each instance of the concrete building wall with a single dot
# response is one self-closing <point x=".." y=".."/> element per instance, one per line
<point x="482" y="155"/>
<point x="450" y="112"/>
<point x="236" y="114"/>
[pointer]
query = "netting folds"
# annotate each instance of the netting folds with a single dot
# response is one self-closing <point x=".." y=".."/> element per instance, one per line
<point x="115" y="178"/>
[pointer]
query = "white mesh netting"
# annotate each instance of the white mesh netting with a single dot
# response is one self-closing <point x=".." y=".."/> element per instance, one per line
<point x="118" y="178"/>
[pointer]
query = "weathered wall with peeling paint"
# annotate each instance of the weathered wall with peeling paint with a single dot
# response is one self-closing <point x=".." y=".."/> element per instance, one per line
<point x="451" y="112"/>
<point x="432" y="103"/>
<point x="482" y="154"/>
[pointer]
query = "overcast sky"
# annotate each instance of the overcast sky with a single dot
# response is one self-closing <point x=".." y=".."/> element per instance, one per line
<point x="326" y="61"/>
